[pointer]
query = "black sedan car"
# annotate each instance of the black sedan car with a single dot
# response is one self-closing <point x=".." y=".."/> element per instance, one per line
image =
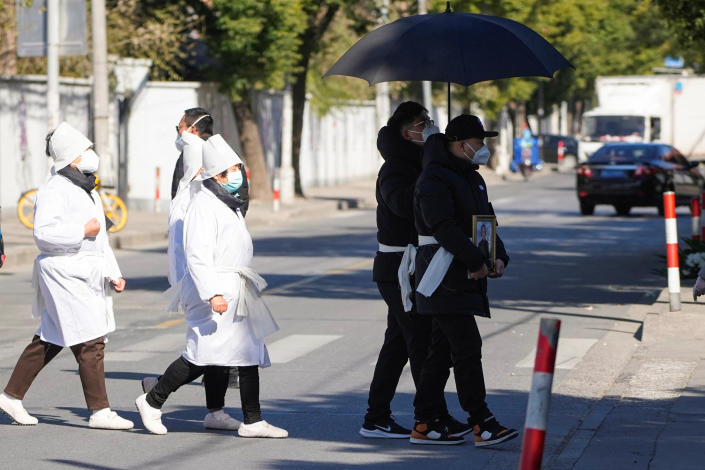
<point x="626" y="175"/>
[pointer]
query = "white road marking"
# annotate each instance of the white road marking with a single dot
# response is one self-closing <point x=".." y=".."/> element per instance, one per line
<point x="570" y="352"/>
<point x="162" y="343"/>
<point x="294" y="346"/>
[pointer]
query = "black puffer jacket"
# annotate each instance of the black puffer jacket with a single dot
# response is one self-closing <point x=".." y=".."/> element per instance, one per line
<point x="448" y="193"/>
<point x="395" y="195"/>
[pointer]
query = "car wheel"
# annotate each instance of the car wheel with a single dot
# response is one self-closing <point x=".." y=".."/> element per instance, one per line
<point x="587" y="208"/>
<point x="622" y="209"/>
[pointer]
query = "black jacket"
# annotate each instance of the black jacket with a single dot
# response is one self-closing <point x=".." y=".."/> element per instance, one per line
<point x="448" y="193"/>
<point x="395" y="195"/>
<point x="243" y="193"/>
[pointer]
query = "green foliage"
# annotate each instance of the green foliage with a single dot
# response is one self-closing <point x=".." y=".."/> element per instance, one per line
<point x="152" y="29"/>
<point x="687" y="20"/>
<point x="255" y="43"/>
<point x="353" y="20"/>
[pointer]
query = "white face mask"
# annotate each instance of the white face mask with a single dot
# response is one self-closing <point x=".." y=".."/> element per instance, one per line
<point x="179" y="143"/>
<point x="429" y="131"/>
<point x="480" y="156"/>
<point x="89" y="162"/>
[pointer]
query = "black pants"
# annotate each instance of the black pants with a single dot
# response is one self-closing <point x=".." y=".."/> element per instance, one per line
<point x="180" y="372"/>
<point x="458" y="336"/>
<point x="407" y="338"/>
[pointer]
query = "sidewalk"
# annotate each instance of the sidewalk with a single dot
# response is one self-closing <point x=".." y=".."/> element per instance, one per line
<point x="653" y="415"/>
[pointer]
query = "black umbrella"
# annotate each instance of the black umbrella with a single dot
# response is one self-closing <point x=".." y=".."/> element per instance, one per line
<point x="451" y="47"/>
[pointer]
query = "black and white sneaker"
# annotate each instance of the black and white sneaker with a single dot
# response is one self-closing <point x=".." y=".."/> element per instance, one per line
<point x="489" y="432"/>
<point x="456" y="428"/>
<point x="435" y="433"/>
<point x="387" y="429"/>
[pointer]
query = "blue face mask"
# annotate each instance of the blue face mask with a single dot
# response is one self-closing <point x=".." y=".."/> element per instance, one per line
<point x="234" y="182"/>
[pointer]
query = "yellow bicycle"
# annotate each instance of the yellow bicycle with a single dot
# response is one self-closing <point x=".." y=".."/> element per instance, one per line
<point x="114" y="207"/>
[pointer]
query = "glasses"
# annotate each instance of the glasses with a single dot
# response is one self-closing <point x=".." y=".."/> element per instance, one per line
<point x="426" y="122"/>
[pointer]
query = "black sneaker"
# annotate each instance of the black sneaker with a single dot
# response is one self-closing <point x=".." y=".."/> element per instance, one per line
<point x="490" y="432"/>
<point x="435" y="432"/>
<point x="387" y="429"/>
<point x="456" y="428"/>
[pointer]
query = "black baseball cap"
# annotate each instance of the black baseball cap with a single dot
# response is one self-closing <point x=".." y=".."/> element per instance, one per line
<point x="467" y="126"/>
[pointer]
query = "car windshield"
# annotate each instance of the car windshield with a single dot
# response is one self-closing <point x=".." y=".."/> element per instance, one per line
<point x="614" y="128"/>
<point x="625" y="154"/>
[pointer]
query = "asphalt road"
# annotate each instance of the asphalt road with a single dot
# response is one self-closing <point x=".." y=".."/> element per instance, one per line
<point x="586" y="271"/>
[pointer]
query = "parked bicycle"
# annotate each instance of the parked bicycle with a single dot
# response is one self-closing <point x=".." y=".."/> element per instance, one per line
<point x="114" y="207"/>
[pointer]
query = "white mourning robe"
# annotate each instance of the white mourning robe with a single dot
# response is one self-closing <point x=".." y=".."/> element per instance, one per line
<point x="216" y="241"/>
<point x="71" y="269"/>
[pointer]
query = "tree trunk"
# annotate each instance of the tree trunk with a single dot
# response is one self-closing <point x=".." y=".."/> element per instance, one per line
<point x="260" y="187"/>
<point x="8" y="37"/>
<point x="318" y="24"/>
<point x="298" y="95"/>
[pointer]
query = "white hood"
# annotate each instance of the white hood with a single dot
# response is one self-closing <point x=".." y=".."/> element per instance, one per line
<point x="218" y="156"/>
<point x="193" y="158"/>
<point x="66" y="144"/>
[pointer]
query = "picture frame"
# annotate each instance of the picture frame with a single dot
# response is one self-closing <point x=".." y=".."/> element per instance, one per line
<point x="484" y="237"/>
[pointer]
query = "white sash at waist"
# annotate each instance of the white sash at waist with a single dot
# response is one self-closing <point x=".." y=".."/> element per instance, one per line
<point x="390" y="249"/>
<point x="437" y="268"/>
<point x="250" y="303"/>
<point x="406" y="269"/>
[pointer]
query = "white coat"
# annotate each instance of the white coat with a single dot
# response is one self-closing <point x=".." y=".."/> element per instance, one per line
<point x="216" y="240"/>
<point x="71" y="269"/>
<point x="177" y="212"/>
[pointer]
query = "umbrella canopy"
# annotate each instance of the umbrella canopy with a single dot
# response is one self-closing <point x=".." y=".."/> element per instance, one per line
<point x="461" y="48"/>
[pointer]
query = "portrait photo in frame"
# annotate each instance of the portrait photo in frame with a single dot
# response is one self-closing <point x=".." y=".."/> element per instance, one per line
<point x="484" y="236"/>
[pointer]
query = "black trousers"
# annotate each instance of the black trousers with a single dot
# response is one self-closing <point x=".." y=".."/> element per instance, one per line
<point x="407" y="338"/>
<point x="180" y="372"/>
<point x="458" y="336"/>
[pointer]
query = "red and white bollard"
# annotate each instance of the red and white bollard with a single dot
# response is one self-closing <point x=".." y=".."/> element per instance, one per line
<point x="695" y="214"/>
<point x="674" y="279"/>
<point x="702" y="219"/>
<point x="275" y="193"/>
<point x="157" y="207"/>
<point x="540" y="395"/>
<point x="561" y="151"/>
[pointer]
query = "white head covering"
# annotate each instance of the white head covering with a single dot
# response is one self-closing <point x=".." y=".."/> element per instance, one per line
<point x="66" y="144"/>
<point x="193" y="158"/>
<point x="218" y="156"/>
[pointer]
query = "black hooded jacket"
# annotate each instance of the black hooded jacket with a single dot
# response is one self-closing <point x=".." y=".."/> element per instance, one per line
<point x="448" y="193"/>
<point x="395" y="193"/>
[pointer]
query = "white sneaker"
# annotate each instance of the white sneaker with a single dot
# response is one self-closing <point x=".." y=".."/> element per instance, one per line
<point x="220" y="420"/>
<point x="13" y="408"/>
<point x="151" y="417"/>
<point x="261" y="429"/>
<point x="148" y="384"/>
<point x="108" y="419"/>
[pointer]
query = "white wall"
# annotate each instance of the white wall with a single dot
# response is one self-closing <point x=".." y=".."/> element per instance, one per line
<point x="151" y="135"/>
<point x="23" y="118"/>
<point x="336" y="148"/>
<point x="340" y="146"/>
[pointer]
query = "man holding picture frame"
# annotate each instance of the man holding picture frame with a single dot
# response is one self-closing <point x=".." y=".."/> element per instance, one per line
<point x="452" y="266"/>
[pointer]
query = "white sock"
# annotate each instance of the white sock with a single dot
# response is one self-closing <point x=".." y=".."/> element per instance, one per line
<point x="12" y="399"/>
<point x="103" y="411"/>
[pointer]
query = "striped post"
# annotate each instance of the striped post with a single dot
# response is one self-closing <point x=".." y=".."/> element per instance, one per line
<point x="157" y="205"/>
<point x="674" y="280"/>
<point x="702" y="219"/>
<point x="540" y="395"/>
<point x="276" y="189"/>
<point x="695" y="214"/>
